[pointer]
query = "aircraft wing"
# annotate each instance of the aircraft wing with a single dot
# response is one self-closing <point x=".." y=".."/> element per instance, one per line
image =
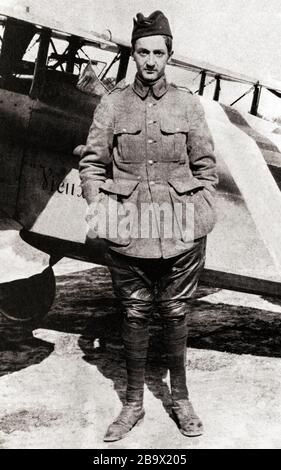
<point x="224" y="74"/>
<point x="106" y="40"/>
<point x="246" y="239"/>
<point x="91" y="37"/>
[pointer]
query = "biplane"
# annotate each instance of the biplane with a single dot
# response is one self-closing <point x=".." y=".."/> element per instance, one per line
<point x="45" y="114"/>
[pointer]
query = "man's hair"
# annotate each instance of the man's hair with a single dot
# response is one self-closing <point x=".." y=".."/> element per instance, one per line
<point x="168" y="42"/>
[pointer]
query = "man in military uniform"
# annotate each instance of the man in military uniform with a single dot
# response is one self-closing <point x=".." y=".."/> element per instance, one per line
<point x="155" y="138"/>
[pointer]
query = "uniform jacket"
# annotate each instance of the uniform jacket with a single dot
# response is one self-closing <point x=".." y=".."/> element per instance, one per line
<point x="150" y="148"/>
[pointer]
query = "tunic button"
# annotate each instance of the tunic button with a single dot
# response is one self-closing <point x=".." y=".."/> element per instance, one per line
<point x="139" y="177"/>
<point x="150" y="104"/>
<point x="177" y="129"/>
<point x="150" y="141"/>
<point x="150" y="162"/>
<point x="152" y="183"/>
<point x="124" y="130"/>
<point x="150" y="122"/>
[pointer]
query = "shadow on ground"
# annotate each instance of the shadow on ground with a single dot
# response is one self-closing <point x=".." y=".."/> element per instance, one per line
<point x="85" y="305"/>
<point x="19" y="349"/>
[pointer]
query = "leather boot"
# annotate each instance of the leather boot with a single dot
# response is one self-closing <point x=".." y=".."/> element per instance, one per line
<point x="188" y="422"/>
<point x="175" y="335"/>
<point x="130" y="415"/>
<point x="135" y="337"/>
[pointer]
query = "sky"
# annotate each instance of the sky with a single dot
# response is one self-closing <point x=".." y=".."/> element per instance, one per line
<point x="240" y="35"/>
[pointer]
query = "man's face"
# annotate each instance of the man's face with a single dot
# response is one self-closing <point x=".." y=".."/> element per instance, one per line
<point x="151" y="56"/>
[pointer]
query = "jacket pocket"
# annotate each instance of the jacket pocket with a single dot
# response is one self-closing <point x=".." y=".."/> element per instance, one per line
<point x="121" y="188"/>
<point x="128" y="136"/>
<point x="120" y="198"/>
<point x="193" y="207"/>
<point x="184" y="186"/>
<point x="174" y="131"/>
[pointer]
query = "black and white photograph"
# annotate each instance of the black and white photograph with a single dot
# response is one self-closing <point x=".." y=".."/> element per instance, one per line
<point x="140" y="227"/>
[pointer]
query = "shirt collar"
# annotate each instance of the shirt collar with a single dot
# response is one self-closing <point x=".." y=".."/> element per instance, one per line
<point x="158" y="89"/>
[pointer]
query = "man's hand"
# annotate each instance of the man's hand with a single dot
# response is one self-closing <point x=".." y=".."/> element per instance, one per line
<point x="96" y="216"/>
<point x="78" y="150"/>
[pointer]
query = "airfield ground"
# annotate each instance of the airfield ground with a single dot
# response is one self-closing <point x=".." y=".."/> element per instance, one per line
<point x="62" y="383"/>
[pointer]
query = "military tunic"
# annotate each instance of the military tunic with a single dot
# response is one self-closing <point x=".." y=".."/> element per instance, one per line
<point x="157" y="143"/>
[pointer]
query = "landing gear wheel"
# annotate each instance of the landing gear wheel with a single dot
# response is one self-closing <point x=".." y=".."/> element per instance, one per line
<point x="30" y="299"/>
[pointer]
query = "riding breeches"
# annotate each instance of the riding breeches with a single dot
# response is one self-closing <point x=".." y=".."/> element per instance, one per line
<point x="141" y="283"/>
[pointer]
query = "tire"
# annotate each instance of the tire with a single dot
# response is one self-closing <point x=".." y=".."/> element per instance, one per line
<point x="30" y="299"/>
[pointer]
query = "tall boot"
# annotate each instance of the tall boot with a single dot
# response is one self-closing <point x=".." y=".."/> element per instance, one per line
<point x="135" y="337"/>
<point x="175" y="336"/>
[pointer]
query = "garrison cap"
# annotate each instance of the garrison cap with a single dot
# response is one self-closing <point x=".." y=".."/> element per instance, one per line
<point x="152" y="25"/>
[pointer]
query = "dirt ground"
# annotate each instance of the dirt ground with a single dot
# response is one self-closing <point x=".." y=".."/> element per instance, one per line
<point x="63" y="380"/>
